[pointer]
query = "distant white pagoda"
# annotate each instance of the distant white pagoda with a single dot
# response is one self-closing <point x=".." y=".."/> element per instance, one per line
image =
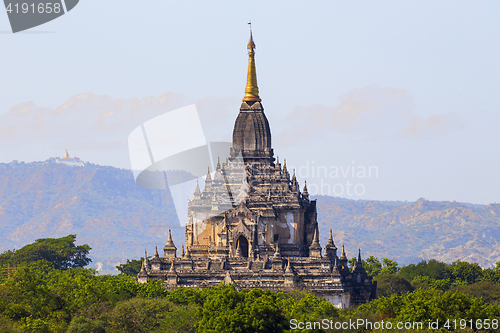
<point x="71" y="161"/>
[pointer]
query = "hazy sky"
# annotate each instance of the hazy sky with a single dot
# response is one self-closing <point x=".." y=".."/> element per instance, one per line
<point x="407" y="90"/>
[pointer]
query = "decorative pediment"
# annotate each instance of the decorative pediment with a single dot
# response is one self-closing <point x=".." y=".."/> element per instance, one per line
<point x="241" y="211"/>
<point x="241" y="228"/>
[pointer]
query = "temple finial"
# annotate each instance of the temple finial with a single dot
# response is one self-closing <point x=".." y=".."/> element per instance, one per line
<point x="330" y="239"/>
<point x="170" y="241"/>
<point x="209" y="177"/>
<point x="145" y="262"/>
<point x="295" y="185"/>
<point x="335" y="266"/>
<point x="172" y="267"/>
<point x="343" y="255"/>
<point x="251" y="44"/>
<point x="316" y="235"/>
<point x="66" y="155"/>
<point x="251" y="90"/>
<point x="144" y="265"/>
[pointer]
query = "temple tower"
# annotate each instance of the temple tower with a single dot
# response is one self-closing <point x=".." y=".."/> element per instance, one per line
<point x="263" y="206"/>
<point x="251" y="225"/>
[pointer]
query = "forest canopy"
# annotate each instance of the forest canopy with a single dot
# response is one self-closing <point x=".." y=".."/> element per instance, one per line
<point x="50" y="291"/>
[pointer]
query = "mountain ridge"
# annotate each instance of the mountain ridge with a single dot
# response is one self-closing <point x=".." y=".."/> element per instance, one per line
<point x="119" y="220"/>
<point x="446" y="231"/>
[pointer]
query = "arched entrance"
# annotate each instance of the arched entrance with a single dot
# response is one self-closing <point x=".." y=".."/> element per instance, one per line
<point x="243" y="244"/>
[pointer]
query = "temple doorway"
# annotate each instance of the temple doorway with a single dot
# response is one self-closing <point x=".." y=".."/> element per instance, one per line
<point x="243" y="244"/>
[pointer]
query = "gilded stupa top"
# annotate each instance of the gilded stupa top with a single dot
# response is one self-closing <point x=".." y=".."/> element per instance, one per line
<point x="251" y="44"/>
<point x="68" y="160"/>
<point x="251" y="90"/>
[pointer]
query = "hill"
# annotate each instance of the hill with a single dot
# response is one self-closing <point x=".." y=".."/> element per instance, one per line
<point x="411" y="231"/>
<point x="102" y="205"/>
<point x="118" y="219"/>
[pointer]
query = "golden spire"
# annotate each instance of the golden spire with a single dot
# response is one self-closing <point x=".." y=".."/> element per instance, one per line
<point x="66" y="155"/>
<point x="251" y="90"/>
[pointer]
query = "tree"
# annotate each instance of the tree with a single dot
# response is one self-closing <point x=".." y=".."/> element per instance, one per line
<point x="467" y="272"/>
<point x="352" y="262"/>
<point x="492" y="275"/>
<point x="247" y="311"/>
<point x="146" y="315"/>
<point x="423" y="281"/>
<point x="131" y="267"/>
<point x="424" y="305"/>
<point x="184" y="296"/>
<point x="26" y="297"/>
<point x="497" y="266"/>
<point x="60" y="252"/>
<point x="373" y="266"/>
<point x="306" y="308"/>
<point x="388" y="284"/>
<point x="434" y="269"/>
<point x="85" y="325"/>
<point x="487" y="291"/>
<point x="7" y="325"/>
<point x="389" y="266"/>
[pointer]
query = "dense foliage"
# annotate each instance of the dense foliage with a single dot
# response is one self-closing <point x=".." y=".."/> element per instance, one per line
<point x="52" y="296"/>
<point x="131" y="267"/>
<point x="40" y="298"/>
<point x="427" y="306"/>
<point x="374" y="266"/>
<point x="62" y="253"/>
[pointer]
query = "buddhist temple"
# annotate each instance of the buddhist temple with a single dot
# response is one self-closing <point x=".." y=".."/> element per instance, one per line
<point x="68" y="160"/>
<point x="252" y="224"/>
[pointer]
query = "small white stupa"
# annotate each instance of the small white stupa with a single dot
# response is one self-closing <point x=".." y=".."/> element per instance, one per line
<point x="71" y="161"/>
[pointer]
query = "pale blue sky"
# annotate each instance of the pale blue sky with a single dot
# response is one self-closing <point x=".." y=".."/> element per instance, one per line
<point x="412" y="88"/>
